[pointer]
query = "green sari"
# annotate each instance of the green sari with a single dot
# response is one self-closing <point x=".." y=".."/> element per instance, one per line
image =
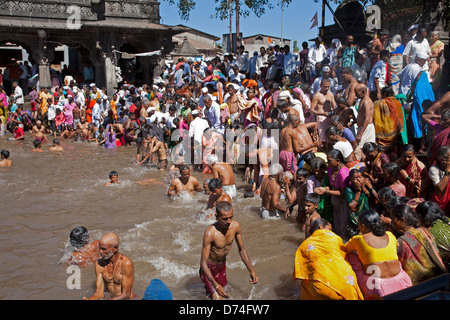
<point x="325" y="208"/>
<point x="363" y="204"/>
<point x="441" y="233"/>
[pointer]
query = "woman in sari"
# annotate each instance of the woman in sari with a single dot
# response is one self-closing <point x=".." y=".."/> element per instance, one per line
<point x="433" y="218"/>
<point x="110" y="137"/>
<point x="321" y="266"/>
<point x="388" y="121"/>
<point x="338" y="181"/>
<point x="357" y="195"/>
<point x="251" y="107"/>
<point x="439" y="175"/>
<point x="413" y="173"/>
<point x="319" y="178"/>
<point x="416" y="247"/>
<point x="437" y="49"/>
<point x="373" y="257"/>
<point x="374" y="159"/>
<point x="391" y="175"/>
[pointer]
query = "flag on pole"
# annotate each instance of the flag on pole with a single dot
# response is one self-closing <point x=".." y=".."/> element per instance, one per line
<point x="316" y="22"/>
<point x="269" y="41"/>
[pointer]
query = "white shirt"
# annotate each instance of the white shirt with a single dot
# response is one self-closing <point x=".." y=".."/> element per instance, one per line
<point x="290" y="63"/>
<point x="260" y="63"/>
<point x="196" y="128"/>
<point x="415" y="46"/>
<point x="18" y="95"/>
<point x="407" y="76"/>
<point x="96" y="112"/>
<point x="378" y="72"/>
<point x="51" y="112"/>
<point x="316" y="55"/>
<point x="243" y="60"/>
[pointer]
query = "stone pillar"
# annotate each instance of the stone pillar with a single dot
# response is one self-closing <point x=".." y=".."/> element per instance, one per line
<point x="43" y="61"/>
<point x="110" y="75"/>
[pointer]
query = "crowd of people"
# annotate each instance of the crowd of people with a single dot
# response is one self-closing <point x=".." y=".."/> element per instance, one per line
<point x="350" y="141"/>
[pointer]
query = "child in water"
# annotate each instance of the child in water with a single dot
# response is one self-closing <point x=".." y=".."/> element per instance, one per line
<point x="113" y="178"/>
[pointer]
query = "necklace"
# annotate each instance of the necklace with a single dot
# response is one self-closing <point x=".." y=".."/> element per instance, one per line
<point x="114" y="269"/>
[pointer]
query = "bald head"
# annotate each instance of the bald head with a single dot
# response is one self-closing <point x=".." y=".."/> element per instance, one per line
<point x="360" y="90"/>
<point x="110" y="240"/>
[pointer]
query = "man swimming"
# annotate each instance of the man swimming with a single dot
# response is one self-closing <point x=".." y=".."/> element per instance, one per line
<point x="113" y="178"/>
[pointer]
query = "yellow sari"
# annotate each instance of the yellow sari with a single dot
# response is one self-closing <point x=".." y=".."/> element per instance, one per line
<point x="320" y="264"/>
<point x="388" y="120"/>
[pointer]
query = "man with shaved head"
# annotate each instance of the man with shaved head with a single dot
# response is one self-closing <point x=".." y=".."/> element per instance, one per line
<point x="114" y="270"/>
<point x="364" y="120"/>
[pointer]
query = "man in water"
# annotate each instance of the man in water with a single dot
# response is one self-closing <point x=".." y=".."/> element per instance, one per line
<point x="271" y="192"/>
<point x="84" y="252"/>
<point x="5" y="162"/>
<point x="185" y="182"/>
<point x="56" y="146"/>
<point x="217" y="193"/>
<point x="83" y="129"/>
<point x="114" y="270"/>
<point x="217" y="242"/>
<point x="37" y="146"/>
<point x="160" y="149"/>
<point x="38" y="132"/>
<point x="224" y="172"/>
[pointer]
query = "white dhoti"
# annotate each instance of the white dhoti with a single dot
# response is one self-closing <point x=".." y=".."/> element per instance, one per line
<point x="230" y="190"/>
<point x="367" y="136"/>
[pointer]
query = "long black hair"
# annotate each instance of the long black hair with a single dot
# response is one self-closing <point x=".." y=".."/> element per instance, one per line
<point x="372" y="221"/>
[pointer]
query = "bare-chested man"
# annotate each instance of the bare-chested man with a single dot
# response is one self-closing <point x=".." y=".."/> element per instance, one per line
<point x="56" y="146"/>
<point x="83" y="129"/>
<point x="224" y="172"/>
<point x="270" y="193"/>
<point x="322" y="105"/>
<point x="114" y="270"/>
<point x="37" y="146"/>
<point x="217" y="193"/>
<point x="232" y="101"/>
<point x="185" y="182"/>
<point x="288" y="143"/>
<point x="5" y="162"/>
<point x="308" y="138"/>
<point x="296" y="139"/>
<point x="38" y="132"/>
<point x="349" y="83"/>
<point x="158" y="147"/>
<point x="364" y="120"/>
<point x="284" y="105"/>
<point x="217" y="242"/>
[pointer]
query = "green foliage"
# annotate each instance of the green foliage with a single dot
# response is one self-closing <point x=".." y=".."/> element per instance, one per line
<point x="222" y="9"/>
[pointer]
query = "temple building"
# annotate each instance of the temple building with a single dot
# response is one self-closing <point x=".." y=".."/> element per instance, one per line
<point x="103" y="33"/>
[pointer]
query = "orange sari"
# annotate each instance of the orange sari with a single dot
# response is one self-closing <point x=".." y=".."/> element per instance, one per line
<point x="388" y="121"/>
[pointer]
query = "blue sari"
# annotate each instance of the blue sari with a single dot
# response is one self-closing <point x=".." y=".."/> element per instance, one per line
<point x="422" y="91"/>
